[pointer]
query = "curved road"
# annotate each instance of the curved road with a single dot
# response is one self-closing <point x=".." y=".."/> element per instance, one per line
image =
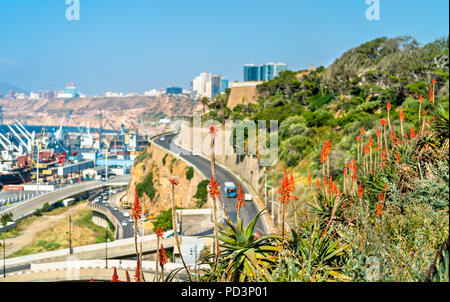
<point x="247" y="213"/>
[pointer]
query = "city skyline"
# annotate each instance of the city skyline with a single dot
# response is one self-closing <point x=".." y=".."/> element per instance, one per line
<point x="133" y="48"/>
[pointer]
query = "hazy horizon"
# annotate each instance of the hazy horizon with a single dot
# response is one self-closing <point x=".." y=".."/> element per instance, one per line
<point x="133" y="47"/>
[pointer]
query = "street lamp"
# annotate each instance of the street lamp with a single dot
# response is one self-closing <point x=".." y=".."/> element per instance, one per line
<point x="4" y="258"/>
<point x="106" y="248"/>
<point x="195" y="255"/>
<point x="70" y="235"/>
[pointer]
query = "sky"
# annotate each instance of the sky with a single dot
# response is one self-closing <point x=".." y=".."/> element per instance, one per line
<point x="138" y="45"/>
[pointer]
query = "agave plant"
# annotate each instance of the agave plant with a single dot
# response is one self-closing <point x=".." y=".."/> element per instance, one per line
<point x="244" y="256"/>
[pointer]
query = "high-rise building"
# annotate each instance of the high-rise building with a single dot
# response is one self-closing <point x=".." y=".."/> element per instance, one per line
<point x="225" y="85"/>
<point x="206" y="85"/>
<point x="252" y="72"/>
<point x="216" y="83"/>
<point x="264" y="72"/>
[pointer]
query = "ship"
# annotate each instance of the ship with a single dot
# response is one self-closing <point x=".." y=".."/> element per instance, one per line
<point x="10" y="175"/>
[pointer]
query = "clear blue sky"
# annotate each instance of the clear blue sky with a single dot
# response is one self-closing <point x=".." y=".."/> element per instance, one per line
<point x="136" y="45"/>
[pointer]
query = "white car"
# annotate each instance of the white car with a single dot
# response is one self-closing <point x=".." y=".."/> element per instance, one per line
<point x="126" y="214"/>
<point x="115" y="209"/>
<point x="131" y="220"/>
<point x="248" y="197"/>
<point x="162" y="139"/>
<point x="124" y="223"/>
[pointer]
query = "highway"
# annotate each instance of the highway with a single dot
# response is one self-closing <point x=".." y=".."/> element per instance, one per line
<point x="128" y="230"/>
<point x="222" y="175"/>
<point x="24" y="208"/>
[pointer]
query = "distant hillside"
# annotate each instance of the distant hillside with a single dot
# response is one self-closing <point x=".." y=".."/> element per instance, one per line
<point x="117" y="111"/>
<point x="5" y="88"/>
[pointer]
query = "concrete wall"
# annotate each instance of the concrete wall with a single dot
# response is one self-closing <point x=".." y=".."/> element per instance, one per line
<point x="100" y="217"/>
<point x="9" y="227"/>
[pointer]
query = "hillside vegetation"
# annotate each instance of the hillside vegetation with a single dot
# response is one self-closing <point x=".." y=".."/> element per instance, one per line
<point x="367" y="141"/>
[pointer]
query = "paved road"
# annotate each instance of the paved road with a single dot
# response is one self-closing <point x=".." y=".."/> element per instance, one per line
<point x="25" y="208"/>
<point x="247" y="213"/>
<point x="128" y="230"/>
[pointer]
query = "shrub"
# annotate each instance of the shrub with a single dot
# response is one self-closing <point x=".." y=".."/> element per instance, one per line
<point x="141" y="157"/>
<point x="190" y="173"/>
<point x="147" y="187"/>
<point x="202" y="193"/>
<point x="164" y="159"/>
<point x="6" y="218"/>
<point x="163" y="220"/>
<point x="46" y="208"/>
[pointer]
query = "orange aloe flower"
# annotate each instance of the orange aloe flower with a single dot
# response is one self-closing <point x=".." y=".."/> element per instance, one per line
<point x="174" y="182"/>
<point x="115" y="277"/>
<point x="431" y="95"/>
<point x="413" y="133"/>
<point x="393" y="135"/>
<point x="421" y="99"/>
<point x="137" y="210"/>
<point x="213" y="130"/>
<point x="159" y="233"/>
<point x="379" y="209"/>
<point x="402" y="116"/>
<point x="285" y="190"/>
<point x="360" y="191"/>
<point x="137" y="274"/>
<point x="309" y="177"/>
<point x="363" y="131"/>
<point x="389" y="107"/>
<point x="378" y="132"/>
<point x="358" y="138"/>
<point x="383" y="122"/>
<point x="424" y="112"/>
<point x="370" y="142"/>
<point x="433" y="81"/>
<point x="292" y="182"/>
<point x="213" y="188"/>
<point x="317" y="183"/>
<point x="352" y="164"/>
<point x="162" y="256"/>
<point x="397" y="157"/>
<point x="367" y="149"/>
<point x="240" y="198"/>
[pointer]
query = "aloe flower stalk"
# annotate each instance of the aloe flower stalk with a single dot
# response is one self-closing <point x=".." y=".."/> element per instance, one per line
<point x="175" y="225"/>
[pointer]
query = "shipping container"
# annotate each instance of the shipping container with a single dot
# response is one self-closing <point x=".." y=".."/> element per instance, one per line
<point x="12" y="188"/>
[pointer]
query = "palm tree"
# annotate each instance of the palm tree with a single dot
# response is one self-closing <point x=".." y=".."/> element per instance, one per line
<point x="204" y="101"/>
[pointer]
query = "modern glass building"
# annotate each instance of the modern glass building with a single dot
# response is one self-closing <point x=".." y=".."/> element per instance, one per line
<point x="174" y="90"/>
<point x="264" y="72"/>
<point x="225" y="85"/>
<point x="252" y="72"/>
<point x="216" y="82"/>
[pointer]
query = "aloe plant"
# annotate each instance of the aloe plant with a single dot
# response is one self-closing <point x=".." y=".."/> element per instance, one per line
<point x="243" y="256"/>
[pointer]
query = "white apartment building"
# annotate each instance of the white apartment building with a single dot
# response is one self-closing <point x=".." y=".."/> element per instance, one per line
<point x="206" y="85"/>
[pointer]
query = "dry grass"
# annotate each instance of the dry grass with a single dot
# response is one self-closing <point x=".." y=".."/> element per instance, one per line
<point x="56" y="236"/>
